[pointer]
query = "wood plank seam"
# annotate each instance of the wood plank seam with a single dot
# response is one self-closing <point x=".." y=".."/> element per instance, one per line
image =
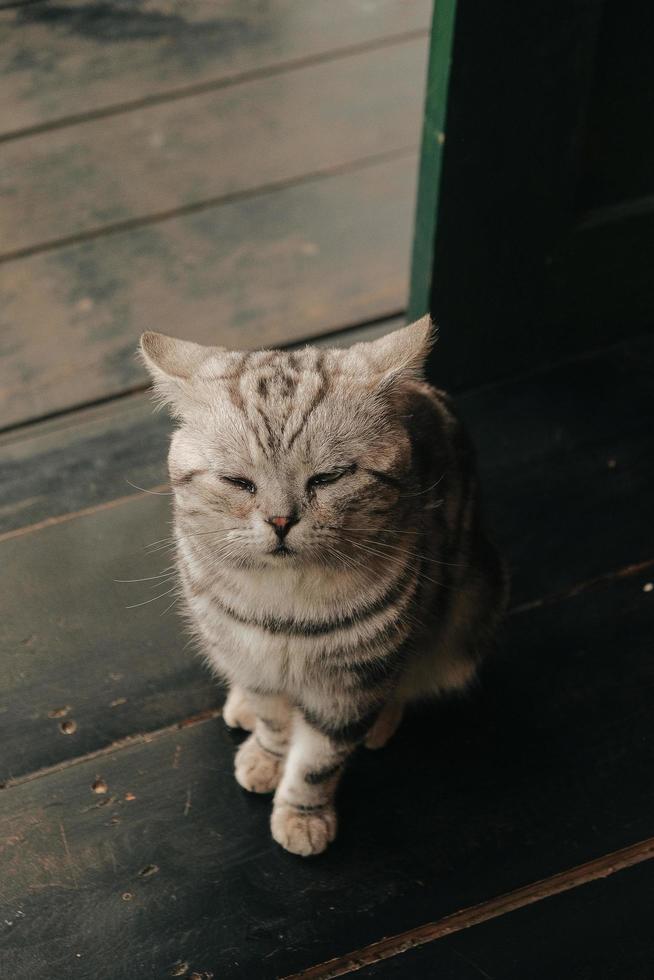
<point x="138" y="738"/>
<point x="19" y="429"/>
<point x="537" y="891"/>
<point x="633" y="208"/>
<point x="84" y="512"/>
<point x="580" y="587"/>
<point x="573" y="357"/>
<point x="229" y="81"/>
<point x="195" y="207"/>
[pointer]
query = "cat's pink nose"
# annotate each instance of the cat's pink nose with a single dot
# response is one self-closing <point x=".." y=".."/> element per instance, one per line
<point x="282" y="525"/>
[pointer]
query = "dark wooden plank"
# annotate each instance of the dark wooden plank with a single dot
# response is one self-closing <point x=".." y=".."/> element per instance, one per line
<point x="59" y="60"/>
<point x="166" y="157"/>
<point x="548" y="767"/>
<point x="83" y="459"/>
<point x="267" y="269"/>
<point x="603" y="929"/>
<point x="70" y="642"/>
<point x="567" y="467"/>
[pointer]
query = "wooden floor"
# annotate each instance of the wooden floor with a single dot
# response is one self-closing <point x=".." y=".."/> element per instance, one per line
<point x="244" y="172"/>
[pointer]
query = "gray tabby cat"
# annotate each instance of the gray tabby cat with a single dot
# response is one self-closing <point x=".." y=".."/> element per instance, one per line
<point x="330" y="549"/>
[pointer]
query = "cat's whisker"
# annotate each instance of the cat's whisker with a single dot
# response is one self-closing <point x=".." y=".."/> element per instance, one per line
<point x="414" y="554"/>
<point x="371" y="527"/>
<point x="169" y="578"/>
<point x="156" y="493"/>
<point x="148" y="578"/>
<point x="347" y="560"/>
<point x="163" y="547"/>
<point x="420" y="493"/>
<point x="168" y="608"/>
<point x="154" y="598"/>
<point x="155" y="546"/>
<point x="393" y="560"/>
<point x="217" y="530"/>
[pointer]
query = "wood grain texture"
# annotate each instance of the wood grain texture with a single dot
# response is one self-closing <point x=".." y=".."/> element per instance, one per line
<point x="60" y="60"/>
<point x="165" y="157"/>
<point x="267" y="269"/>
<point x="71" y="642"/>
<point x="547" y="767"/>
<point x="600" y="930"/>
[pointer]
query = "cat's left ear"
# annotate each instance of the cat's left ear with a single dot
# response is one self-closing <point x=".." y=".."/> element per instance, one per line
<point x="401" y="355"/>
<point x="178" y="368"/>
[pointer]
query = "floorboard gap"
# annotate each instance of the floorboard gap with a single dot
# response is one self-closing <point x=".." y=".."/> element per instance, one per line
<point x="336" y="334"/>
<point x="127" y="742"/>
<point x="189" y="91"/>
<point x="564" y="881"/>
<point x="625" y="572"/>
<point x="155" y="218"/>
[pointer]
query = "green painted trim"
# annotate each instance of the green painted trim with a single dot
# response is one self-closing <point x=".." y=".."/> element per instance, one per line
<point x="431" y="157"/>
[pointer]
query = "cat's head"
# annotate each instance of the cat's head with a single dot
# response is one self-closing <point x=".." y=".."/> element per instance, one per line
<point x="288" y="456"/>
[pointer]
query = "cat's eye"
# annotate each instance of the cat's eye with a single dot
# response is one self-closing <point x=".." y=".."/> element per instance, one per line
<point x="321" y="479"/>
<point x="241" y="482"/>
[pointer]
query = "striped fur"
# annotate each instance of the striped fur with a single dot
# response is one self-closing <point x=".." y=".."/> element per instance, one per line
<point x="382" y="588"/>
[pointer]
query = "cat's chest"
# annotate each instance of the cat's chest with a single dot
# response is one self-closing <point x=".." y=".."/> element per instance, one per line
<point x="279" y="633"/>
<point x="282" y="599"/>
<point x="255" y="656"/>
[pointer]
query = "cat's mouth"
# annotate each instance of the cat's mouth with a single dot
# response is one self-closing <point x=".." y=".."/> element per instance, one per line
<point x="281" y="551"/>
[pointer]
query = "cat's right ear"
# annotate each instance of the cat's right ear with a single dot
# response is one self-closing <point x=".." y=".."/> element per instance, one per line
<point x="177" y="368"/>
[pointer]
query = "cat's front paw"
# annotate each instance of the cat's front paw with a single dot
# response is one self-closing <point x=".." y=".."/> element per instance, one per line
<point x="237" y="712"/>
<point x="303" y="832"/>
<point x="255" y="769"/>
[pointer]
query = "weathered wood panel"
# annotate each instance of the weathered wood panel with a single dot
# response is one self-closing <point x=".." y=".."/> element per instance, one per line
<point x="65" y="59"/>
<point x="602" y="930"/>
<point x="548" y="767"/>
<point x="79" y="179"/>
<point x="70" y="642"/>
<point x="268" y="269"/>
